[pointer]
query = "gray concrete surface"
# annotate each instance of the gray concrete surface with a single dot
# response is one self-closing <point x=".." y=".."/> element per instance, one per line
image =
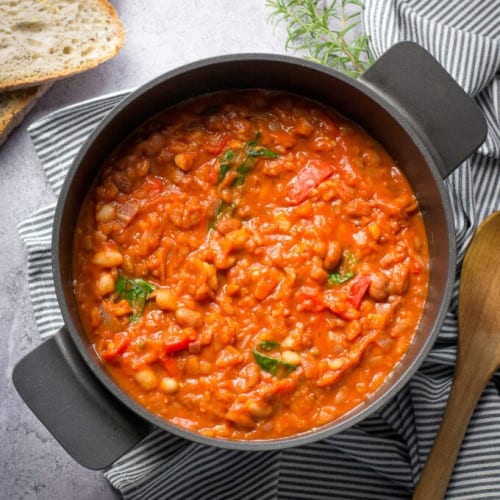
<point x="161" y="35"/>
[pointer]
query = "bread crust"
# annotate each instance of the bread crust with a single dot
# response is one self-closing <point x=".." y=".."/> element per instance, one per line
<point x="13" y="82"/>
<point x="15" y="105"/>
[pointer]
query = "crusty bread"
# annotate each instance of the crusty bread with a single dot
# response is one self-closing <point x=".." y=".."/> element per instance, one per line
<point x="15" y="105"/>
<point x="43" y="40"/>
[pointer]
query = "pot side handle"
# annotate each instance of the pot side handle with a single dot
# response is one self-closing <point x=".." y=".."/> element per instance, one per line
<point x="89" y="422"/>
<point x="430" y="99"/>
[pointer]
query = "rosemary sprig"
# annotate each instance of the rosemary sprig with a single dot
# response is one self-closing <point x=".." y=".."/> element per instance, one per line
<point x="326" y="31"/>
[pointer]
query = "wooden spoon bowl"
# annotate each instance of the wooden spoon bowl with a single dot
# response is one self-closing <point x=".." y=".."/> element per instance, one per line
<point x="478" y="355"/>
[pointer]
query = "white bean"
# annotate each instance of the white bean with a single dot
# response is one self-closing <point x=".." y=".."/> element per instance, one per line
<point x="146" y="378"/>
<point x="290" y="357"/>
<point x="106" y="213"/>
<point x="105" y="284"/>
<point x="166" y="299"/>
<point x="169" y="385"/>
<point x="108" y="258"/>
<point x="259" y="409"/>
<point x="188" y="317"/>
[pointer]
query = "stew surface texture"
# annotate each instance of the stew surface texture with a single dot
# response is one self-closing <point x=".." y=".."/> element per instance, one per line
<point x="250" y="265"/>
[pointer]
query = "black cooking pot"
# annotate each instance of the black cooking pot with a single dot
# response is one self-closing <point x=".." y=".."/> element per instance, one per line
<point x="405" y="100"/>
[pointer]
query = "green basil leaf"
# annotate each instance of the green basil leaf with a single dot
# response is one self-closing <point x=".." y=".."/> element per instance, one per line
<point x="223" y="170"/>
<point x="284" y="368"/>
<point x="136" y="292"/>
<point x="274" y="366"/>
<point x="338" y="278"/>
<point x="257" y="151"/>
<point x="120" y="284"/>
<point x="257" y="137"/>
<point x="344" y="272"/>
<point x="228" y="156"/>
<point x="268" y="345"/>
<point x="267" y="363"/>
<point x="223" y="207"/>
<point x="244" y="168"/>
<point x="252" y="150"/>
<point x="226" y="162"/>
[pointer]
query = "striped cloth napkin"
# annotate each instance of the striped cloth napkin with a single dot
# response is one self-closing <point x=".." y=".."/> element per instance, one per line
<point x="381" y="457"/>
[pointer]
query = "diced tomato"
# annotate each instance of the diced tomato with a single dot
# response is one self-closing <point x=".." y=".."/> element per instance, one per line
<point x="313" y="174"/>
<point x="116" y="347"/>
<point x="338" y="304"/>
<point x="358" y="289"/>
<point x="170" y="365"/>
<point x="310" y="299"/>
<point x="344" y="310"/>
<point x="416" y="268"/>
<point x="158" y="183"/>
<point x="154" y="183"/>
<point x="283" y="387"/>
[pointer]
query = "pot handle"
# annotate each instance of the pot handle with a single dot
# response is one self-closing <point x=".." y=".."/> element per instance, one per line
<point x="449" y="121"/>
<point x="86" y="419"/>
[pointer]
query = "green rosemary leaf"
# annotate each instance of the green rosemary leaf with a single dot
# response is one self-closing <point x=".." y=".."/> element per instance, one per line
<point x="325" y="32"/>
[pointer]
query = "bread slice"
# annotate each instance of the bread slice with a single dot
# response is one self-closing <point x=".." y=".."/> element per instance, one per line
<point x="15" y="105"/>
<point x="43" y="40"/>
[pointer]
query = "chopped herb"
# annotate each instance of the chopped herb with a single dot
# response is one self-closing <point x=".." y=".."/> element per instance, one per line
<point x="338" y="279"/>
<point x="212" y="223"/>
<point x="228" y="156"/>
<point x="247" y="156"/>
<point x="268" y="345"/>
<point x="224" y="206"/>
<point x="239" y="180"/>
<point x="345" y="271"/>
<point x="223" y="170"/>
<point x="267" y="363"/>
<point x="136" y="292"/>
<point x="274" y="366"/>
<point x="256" y="151"/>
<point x="243" y="170"/>
<point x="226" y="162"/>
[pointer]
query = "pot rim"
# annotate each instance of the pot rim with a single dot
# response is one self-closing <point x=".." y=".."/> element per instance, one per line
<point x="376" y="400"/>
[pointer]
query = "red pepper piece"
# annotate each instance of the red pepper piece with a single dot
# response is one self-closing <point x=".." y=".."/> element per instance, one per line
<point x="222" y="144"/>
<point x="117" y="346"/>
<point x="358" y="289"/>
<point x="313" y="174"/>
<point x="176" y="345"/>
<point x="157" y="183"/>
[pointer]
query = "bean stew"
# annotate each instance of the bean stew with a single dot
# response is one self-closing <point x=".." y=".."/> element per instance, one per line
<point x="250" y="265"/>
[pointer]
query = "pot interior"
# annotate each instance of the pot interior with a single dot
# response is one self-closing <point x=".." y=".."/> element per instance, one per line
<point x="350" y="98"/>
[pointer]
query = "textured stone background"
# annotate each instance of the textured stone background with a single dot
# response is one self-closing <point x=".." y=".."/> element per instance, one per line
<point x="161" y="35"/>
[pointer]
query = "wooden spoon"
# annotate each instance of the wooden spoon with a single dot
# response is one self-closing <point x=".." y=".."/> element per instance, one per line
<point x="478" y="355"/>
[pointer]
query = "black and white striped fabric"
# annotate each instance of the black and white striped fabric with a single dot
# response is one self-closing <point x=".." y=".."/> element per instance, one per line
<point x="380" y="458"/>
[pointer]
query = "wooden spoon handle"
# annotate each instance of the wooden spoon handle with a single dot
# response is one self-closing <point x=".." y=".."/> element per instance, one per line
<point x="468" y="384"/>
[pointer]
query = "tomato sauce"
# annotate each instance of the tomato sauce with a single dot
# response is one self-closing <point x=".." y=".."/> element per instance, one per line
<point x="250" y="265"/>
